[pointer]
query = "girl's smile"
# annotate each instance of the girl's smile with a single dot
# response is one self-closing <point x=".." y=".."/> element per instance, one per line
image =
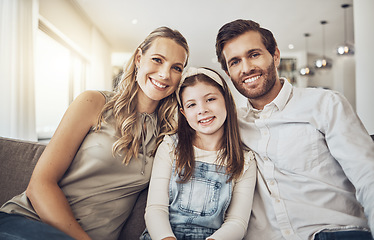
<point x="205" y="111"/>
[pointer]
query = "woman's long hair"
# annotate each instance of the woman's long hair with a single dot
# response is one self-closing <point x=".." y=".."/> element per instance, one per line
<point x="231" y="150"/>
<point x="125" y="101"/>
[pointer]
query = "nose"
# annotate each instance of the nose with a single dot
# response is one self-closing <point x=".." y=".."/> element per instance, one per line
<point x="246" y="66"/>
<point x="164" y="73"/>
<point x="202" y="109"/>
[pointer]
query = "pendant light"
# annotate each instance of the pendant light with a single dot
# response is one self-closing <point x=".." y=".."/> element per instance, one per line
<point x="306" y="70"/>
<point x="345" y="48"/>
<point x="323" y="62"/>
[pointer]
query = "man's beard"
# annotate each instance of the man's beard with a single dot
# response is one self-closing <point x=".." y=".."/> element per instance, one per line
<point x="270" y="76"/>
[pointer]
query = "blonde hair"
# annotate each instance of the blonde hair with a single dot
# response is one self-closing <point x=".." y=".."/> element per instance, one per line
<point x="124" y="102"/>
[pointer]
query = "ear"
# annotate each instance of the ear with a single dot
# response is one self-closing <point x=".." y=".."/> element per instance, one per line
<point x="276" y="57"/>
<point x="138" y="57"/>
<point x="182" y="111"/>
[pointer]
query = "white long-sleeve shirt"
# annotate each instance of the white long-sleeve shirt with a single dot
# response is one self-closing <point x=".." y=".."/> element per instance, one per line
<point x="315" y="165"/>
<point x="157" y="212"/>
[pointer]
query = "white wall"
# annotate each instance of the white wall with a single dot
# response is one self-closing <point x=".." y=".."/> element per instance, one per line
<point x="345" y="78"/>
<point x="364" y="39"/>
<point x="100" y="74"/>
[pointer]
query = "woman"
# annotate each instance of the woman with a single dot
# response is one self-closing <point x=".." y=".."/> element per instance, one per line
<point x="100" y="157"/>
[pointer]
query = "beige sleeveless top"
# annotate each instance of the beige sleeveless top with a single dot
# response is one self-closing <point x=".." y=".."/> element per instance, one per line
<point x="101" y="190"/>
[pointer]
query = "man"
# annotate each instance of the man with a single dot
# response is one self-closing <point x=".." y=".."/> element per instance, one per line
<point x="315" y="158"/>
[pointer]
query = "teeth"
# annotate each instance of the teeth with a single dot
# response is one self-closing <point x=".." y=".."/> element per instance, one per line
<point x="158" y="84"/>
<point x="249" y="80"/>
<point x="206" y="120"/>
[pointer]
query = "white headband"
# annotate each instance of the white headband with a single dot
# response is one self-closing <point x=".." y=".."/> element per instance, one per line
<point x="192" y="71"/>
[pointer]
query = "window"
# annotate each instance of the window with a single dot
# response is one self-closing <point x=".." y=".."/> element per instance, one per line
<point x="59" y="77"/>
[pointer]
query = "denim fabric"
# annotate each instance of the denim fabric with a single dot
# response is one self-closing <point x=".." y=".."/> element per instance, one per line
<point x="145" y="235"/>
<point x="344" y="235"/>
<point x="17" y="227"/>
<point x="192" y="232"/>
<point x="185" y="233"/>
<point x="203" y="200"/>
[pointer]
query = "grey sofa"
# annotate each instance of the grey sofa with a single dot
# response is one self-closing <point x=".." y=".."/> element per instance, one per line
<point x="17" y="161"/>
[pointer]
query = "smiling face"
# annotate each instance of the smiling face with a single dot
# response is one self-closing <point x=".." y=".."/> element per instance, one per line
<point x="205" y="110"/>
<point x="252" y="68"/>
<point x="159" y="70"/>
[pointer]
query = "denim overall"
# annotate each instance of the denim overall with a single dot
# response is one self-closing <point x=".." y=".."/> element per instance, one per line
<point x="197" y="208"/>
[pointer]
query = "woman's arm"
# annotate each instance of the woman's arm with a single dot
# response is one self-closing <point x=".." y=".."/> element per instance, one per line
<point x="239" y="211"/>
<point x="157" y="210"/>
<point x="43" y="191"/>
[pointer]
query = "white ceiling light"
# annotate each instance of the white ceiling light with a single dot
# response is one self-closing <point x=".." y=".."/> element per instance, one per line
<point x="323" y="62"/>
<point x="345" y="48"/>
<point x="306" y="70"/>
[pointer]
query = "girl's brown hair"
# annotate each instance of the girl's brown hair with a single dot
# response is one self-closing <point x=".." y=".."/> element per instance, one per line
<point x="231" y="150"/>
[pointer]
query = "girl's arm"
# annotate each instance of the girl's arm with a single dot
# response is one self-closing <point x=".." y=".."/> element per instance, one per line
<point x="239" y="211"/>
<point x="43" y="191"/>
<point x="157" y="210"/>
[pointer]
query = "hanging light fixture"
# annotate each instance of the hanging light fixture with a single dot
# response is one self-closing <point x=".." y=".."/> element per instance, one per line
<point x="306" y="70"/>
<point x="323" y="62"/>
<point x="345" y="48"/>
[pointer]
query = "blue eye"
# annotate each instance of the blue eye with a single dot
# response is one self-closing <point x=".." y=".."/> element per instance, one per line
<point x="178" y="69"/>
<point x="158" y="60"/>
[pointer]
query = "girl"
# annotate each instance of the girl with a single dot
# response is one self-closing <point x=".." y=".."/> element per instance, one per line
<point x="99" y="159"/>
<point x="202" y="181"/>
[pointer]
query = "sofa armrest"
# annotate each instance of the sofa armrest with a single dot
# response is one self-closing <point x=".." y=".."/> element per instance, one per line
<point x="17" y="161"/>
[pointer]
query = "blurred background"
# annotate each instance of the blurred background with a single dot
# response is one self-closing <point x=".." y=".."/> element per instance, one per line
<point x="52" y="50"/>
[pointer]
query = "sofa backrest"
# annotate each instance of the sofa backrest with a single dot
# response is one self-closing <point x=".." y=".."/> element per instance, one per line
<point x="17" y="161"/>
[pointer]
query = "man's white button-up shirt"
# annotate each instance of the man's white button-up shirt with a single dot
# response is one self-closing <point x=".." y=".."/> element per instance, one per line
<point x="315" y="165"/>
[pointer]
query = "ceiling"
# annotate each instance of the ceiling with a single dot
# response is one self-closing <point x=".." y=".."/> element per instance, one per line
<point x="199" y="21"/>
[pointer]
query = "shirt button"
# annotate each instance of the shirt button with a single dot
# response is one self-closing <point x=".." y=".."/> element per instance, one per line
<point x="271" y="182"/>
<point x="287" y="232"/>
<point x="277" y="200"/>
<point x="266" y="158"/>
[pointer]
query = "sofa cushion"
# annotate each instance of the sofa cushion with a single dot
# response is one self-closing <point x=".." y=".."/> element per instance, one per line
<point x="135" y="224"/>
<point x="17" y="161"/>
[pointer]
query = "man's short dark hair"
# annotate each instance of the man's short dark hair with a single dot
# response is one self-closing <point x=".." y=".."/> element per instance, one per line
<point x="238" y="27"/>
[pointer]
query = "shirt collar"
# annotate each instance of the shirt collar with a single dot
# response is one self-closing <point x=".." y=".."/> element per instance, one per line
<point x="281" y="100"/>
